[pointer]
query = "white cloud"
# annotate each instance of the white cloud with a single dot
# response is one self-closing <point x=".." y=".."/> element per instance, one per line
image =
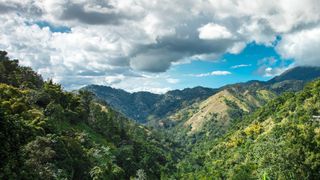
<point x="173" y="81"/>
<point x="152" y="83"/>
<point x="213" y="73"/>
<point x="220" y="73"/>
<point x="214" y="31"/>
<point x="240" y="66"/>
<point x="237" y="47"/>
<point x="156" y="90"/>
<point x="271" y="72"/>
<point x="302" y="46"/>
<point x="110" y="39"/>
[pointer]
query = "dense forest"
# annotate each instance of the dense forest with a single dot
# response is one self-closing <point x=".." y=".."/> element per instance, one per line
<point x="48" y="133"/>
<point x="244" y="131"/>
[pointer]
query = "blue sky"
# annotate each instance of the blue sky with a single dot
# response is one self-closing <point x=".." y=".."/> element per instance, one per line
<point x="243" y="67"/>
<point x="154" y="46"/>
<point x="45" y="24"/>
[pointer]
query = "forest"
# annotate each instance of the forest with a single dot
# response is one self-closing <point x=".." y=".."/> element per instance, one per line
<point x="48" y="133"/>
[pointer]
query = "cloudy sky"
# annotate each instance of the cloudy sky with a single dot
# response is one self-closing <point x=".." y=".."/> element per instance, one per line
<point x="161" y="44"/>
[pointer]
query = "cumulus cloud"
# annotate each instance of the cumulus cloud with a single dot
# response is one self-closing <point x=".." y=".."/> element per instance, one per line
<point x="94" y="14"/>
<point x="214" y="31"/>
<point x="115" y="41"/>
<point x="302" y="46"/>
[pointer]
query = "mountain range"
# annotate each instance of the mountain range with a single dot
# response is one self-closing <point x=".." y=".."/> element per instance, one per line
<point x="198" y="115"/>
<point x="146" y="107"/>
<point x="252" y="130"/>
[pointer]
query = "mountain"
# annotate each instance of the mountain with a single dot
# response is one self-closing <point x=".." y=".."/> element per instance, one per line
<point x="221" y="108"/>
<point x="197" y="114"/>
<point x="213" y="117"/>
<point x="281" y="140"/>
<point x="48" y="133"/>
<point x="251" y="130"/>
<point x="146" y="106"/>
<point x="298" y="73"/>
<point x="293" y="79"/>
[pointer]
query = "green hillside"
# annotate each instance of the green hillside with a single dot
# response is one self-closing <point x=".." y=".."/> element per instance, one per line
<point x="145" y="106"/>
<point x="281" y="140"/>
<point x="213" y="117"/>
<point x="48" y="133"/>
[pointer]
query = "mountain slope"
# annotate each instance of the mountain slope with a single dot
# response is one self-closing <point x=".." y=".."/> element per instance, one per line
<point x="222" y="103"/>
<point x="232" y="101"/>
<point x="279" y="141"/>
<point x="145" y="106"/>
<point x="303" y="73"/>
<point x="212" y="118"/>
<point x="47" y="133"/>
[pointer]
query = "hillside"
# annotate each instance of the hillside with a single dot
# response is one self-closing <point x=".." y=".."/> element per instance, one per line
<point x="48" y="133"/>
<point x="233" y="101"/>
<point x="212" y="118"/>
<point x="146" y="106"/>
<point x="306" y="73"/>
<point x="279" y="141"/>
<point x="221" y="106"/>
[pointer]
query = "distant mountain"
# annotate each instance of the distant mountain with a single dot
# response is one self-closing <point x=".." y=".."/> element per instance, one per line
<point x="302" y="73"/>
<point x="213" y="116"/>
<point x="144" y="106"/>
<point x="154" y="108"/>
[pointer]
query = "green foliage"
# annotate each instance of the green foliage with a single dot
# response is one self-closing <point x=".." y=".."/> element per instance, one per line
<point x="13" y="74"/>
<point x="279" y="141"/>
<point x="48" y="133"/>
<point x="145" y="106"/>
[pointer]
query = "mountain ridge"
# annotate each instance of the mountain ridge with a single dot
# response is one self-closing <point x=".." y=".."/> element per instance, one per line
<point x="147" y="103"/>
<point x="145" y="106"/>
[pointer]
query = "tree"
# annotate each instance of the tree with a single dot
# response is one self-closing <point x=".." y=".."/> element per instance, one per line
<point x="141" y="175"/>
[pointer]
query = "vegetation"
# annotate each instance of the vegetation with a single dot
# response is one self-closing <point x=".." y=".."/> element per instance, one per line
<point x="146" y="107"/>
<point x="279" y="141"/>
<point x="244" y="131"/>
<point x="47" y="133"/>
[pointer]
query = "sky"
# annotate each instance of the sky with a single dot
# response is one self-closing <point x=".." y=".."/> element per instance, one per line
<point x="160" y="45"/>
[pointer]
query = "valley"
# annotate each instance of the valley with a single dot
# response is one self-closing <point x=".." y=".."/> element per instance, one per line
<point x="251" y="130"/>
